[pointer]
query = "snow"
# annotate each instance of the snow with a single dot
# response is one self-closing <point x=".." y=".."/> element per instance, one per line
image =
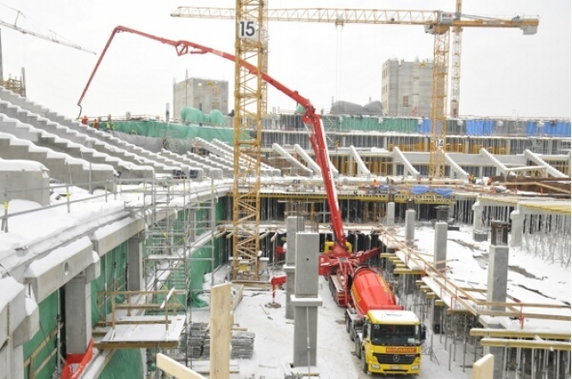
<point x="273" y="344"/>
<point x="273" y="349"/>
<point x="21" y="165"/>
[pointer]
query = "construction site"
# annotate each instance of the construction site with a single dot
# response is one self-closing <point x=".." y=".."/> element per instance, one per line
<point x="228" y="239"/>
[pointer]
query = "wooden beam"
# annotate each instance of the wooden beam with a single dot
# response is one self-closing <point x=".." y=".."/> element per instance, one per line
<point x="526" y="344"/>
<point x="136" y="345"/>
<point x="174" y="368"/>
<point x="482" y="332"/>
<point x="221" y="323"/>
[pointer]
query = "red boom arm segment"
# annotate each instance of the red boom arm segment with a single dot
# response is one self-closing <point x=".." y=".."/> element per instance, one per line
<point x="310" y="118"/>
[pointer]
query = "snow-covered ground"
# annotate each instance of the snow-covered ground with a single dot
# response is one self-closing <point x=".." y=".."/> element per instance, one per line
<point x="273" y="344"/>
<point x="530" y="279"/>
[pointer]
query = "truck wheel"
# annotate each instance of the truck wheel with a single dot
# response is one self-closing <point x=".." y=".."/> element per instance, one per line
<point x="364" y="365"/>
<point x="357" y="348"/>
<point x="352" y="334"/>
<point x="348" y="323"/>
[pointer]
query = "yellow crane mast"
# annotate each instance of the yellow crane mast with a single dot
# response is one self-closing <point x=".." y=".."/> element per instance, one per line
<point x="438" y="23"/>
<point x="249" y="106"/>
<point x="456" y="65"/>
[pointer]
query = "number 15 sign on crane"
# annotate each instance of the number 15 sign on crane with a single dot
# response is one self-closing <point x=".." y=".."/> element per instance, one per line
<point x="248" y="29"/>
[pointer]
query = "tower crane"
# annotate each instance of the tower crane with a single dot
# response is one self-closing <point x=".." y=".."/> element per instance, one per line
<point x="18" y="85"/>
<point x="456" y="65"/>
<point x="249" y="106"/>
<point x="436" y="22"/>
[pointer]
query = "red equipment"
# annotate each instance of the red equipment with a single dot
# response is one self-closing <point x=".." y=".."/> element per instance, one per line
<point x="339" y="264"/>
<point x="371" y="292"/>
<point x="276" y="281"/>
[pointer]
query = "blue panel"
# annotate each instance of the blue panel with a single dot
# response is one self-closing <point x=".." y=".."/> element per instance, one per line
<point x="425" y="127"/>
<point x="531" y="128"/>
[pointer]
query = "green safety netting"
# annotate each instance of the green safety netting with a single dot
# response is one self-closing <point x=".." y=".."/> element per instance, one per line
<point x="370" y="124"/>
<point x="150" y="128"/>
<point x="192" y="115"/>
<point x="216" y="117"/>
<point x="125" y="364"/>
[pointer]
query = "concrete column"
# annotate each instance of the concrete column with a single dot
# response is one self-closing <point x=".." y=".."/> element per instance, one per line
<point x="78" y="314"/>
<point x="440" y="246"/>
<point x="294" y="224"/>
<point x="306" y="300"/>
<point x="497" y="275"/>
<point x="477" y="216"/>
<point x="517" y="219"/>
<point x="497" y="282"/>
<point x="410" y="226"/>
<point x="135" y="263"/>
<point x="390" y="215"/>
<point x="11" y="361"/>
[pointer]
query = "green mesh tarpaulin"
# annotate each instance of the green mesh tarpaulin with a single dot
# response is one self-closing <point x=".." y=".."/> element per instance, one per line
<point x="216" y="117"/>
<point x="192" y="115"/>
<point x="372" y="124"/>
<point x="150" y="128"/>
<point x="125" y="364"/>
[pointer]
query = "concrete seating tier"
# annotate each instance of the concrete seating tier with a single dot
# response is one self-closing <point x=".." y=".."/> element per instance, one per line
<point x="31" y="113"/>
<point x="77" y="150"/>
<point x="63" y="167"/>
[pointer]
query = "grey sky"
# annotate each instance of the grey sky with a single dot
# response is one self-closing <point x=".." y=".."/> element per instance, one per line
<point x="503" y="72"/>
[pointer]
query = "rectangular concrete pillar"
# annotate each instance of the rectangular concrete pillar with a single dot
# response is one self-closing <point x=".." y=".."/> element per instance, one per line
<point x="410" y="227"/>
<point x="306" y="300"/>
<point x="135" y="263"/>
<point x="497" y="276"/>
<point x="294" y="224"/>
<point x="440" y="246"/>
<point x="78" y="314"/>
<point x="390" y="215"/>
<point x="517" y="219"/>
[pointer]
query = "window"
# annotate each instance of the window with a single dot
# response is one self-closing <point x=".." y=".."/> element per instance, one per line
<point x="405" y="101"/>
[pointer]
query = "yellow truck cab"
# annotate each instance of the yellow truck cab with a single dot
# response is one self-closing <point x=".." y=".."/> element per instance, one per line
<point x="389" y="342"/>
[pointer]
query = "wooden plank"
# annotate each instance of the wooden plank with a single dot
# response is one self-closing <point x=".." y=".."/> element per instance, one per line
<point x="480" y="332"/>
<point x="221" y="323"/>
<point x="526" y="344"/>
<point x="174" y="368"/>
<point x="407" y="271"/>
<point x="102" y="345"/>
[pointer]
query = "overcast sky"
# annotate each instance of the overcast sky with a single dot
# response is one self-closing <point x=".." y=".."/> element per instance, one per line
<point x="503" y="72"/>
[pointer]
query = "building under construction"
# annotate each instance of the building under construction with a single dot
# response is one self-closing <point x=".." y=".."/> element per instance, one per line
<point x="105" y="243"/>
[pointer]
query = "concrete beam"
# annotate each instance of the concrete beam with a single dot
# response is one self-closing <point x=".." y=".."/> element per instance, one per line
<point x="362" y="168"/>
<point x="399" y="156"/>
<point x="306" y="157"/>
<point x="538" y="160"/>
<point x="110" y="236"/>
<point x="47" y="274"/>
<point x="286" y="155"/>
<point x="500" y="167"/>
<point x="454" y="166"/>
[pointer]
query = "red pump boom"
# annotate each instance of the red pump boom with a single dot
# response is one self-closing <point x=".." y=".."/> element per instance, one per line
<point x="310" y="118"/>
<point x="339" y="262"/>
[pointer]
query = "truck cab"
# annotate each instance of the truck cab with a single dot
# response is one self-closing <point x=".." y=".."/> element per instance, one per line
<point x="390" y="342"/>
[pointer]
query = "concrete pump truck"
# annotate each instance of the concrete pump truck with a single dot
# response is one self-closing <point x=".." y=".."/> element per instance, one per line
<point x="387" y="338"/>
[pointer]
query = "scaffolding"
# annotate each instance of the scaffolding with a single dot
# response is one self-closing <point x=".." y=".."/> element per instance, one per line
<point x="180" y="224"/>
